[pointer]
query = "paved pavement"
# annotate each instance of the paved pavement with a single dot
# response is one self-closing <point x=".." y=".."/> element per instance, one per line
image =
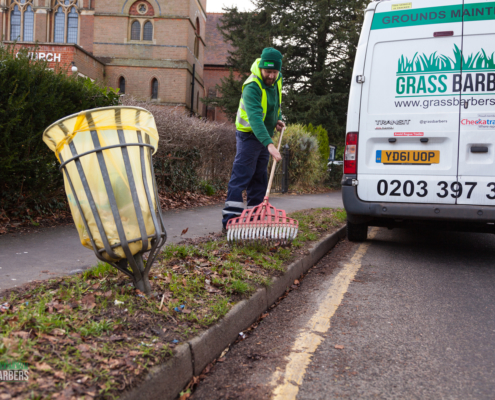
<point x="57" y="251"/>
<point x="417" y="321"/>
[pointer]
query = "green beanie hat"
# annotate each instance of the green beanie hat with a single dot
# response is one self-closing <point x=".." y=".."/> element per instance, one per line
<point x="271" y="59"/>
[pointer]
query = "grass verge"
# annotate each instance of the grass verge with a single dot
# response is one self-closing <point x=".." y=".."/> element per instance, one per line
<point x="94" y="335"/>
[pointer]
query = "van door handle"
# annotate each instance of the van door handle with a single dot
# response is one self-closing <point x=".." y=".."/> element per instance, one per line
<point x="479" y="149"/>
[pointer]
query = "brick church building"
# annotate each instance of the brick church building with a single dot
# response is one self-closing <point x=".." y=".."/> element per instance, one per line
<point x="147" y="48"/>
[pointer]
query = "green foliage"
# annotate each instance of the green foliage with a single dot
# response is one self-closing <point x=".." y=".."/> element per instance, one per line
<point x="99" y="271"/>
<point x="31" y="98"/>
<point x="321" y="135"/>
<point x="318" y="39"/>
<point x="307" y="168"/>
<point x="207" y="188"/>
<point x="177" y="172"/>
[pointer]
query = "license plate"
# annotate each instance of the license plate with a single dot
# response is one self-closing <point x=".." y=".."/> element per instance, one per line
<point x="408" y="157"/>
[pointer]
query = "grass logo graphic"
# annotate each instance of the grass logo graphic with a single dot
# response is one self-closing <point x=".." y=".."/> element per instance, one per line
<point x="441" y="63"/>
<point x="440" y="75"/>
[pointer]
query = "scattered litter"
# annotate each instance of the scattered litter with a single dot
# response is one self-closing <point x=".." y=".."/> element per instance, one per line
<point x="14" y="279"/>
<point x="118" y="303"/>
<point x="177" y="309"/>
<point x="27" y="302"/>
<point x="144" y="344"/>
<point x="182" y="306"/>
<point x="175" y="341"/>
<point x="4" y="307"/>
<point x="140" y="295"/>
<point x="242" y="335"/>
<point x="125" y="310"/>
<point x="154" y="340"/>
<point x="25" y="252"/>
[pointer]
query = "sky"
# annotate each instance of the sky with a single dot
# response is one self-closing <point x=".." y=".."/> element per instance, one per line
<point x="217" y="5"/>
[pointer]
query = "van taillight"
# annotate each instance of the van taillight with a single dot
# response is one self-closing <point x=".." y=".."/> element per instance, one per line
<point x="350" y="156"/>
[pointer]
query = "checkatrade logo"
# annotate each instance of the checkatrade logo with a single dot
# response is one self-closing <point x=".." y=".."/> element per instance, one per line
<point x="480" y="122"/>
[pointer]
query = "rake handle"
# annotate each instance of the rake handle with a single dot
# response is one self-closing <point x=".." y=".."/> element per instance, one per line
<point x="272" y="174"/>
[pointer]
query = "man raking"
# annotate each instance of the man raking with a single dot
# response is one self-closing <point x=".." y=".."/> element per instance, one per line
<point x="258" y="116"/>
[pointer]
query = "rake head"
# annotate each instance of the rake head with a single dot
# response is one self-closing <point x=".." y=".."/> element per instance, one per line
<point x="262" y="224"/>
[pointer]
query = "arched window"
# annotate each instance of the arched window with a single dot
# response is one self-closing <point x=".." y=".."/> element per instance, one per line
<point x="66" y="24"/>
<point x="136" y="31"/>
<point x="122" y="85"/>
<point x="59" y="31"/>
<point x="72" y="25"/>
<point x="196" y="40"/>
<point x="15" y="24"/>
<point x="28" y="35"/>
<point x="154" y="89"/>
<point x="148" y="31"/>
<point x="21" y="20"/>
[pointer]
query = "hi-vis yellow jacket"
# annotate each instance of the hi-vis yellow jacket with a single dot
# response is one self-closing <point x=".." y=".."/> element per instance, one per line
<point x="242" y="121"/>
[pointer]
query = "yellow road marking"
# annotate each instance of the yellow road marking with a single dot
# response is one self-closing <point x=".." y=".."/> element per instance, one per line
<point x="309" y="339"/>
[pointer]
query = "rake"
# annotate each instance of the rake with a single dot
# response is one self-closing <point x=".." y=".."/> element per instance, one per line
<point x="263" y="224"/>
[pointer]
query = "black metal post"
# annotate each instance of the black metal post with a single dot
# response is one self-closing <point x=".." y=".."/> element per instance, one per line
<point x="285" y="169"/>
<point x="192" y="89"/>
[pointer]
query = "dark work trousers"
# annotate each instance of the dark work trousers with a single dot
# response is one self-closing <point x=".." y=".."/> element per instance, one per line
<point x="248" y="173"/>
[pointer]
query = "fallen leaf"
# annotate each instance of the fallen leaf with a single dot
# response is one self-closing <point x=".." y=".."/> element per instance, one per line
<point x="116" y="338"/>
<point x="43" y="366"/>
<point x="96" y="286"/>
<point x="108" y="294"/>
<point x="83" y="347"/>
<point x="21" y="334"/>
<point x="296" y="282"/>
<point x="9" y="343"/>
<point x="58" y="332"/>
<point x="339" y="347"/>
<point x="51" y="339"/>
<point x="59" y="375"/>
<point x="184" y="282"/>
<point x="211" y="289"/>
<point x="89" y="301"/>
<point x="184" y="231"/>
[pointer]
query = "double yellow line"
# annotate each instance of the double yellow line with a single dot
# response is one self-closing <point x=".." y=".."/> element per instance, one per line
<point x="309" y="337"/>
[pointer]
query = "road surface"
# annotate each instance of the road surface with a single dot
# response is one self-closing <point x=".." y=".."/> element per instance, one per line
<point x="405" y="315"/>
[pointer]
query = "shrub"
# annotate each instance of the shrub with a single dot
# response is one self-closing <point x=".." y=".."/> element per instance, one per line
<point x="306" y="167"/>
<point x="31" y="98"/>
<point x="190" y="150"/>
<point x="321" y="135"/>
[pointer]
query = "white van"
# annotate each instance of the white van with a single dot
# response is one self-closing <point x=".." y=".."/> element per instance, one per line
<point x="420" y="145"/>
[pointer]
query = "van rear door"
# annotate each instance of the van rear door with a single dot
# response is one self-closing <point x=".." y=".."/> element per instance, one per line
<point x="477" y="126"/>
<point x="409" y="120"/>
